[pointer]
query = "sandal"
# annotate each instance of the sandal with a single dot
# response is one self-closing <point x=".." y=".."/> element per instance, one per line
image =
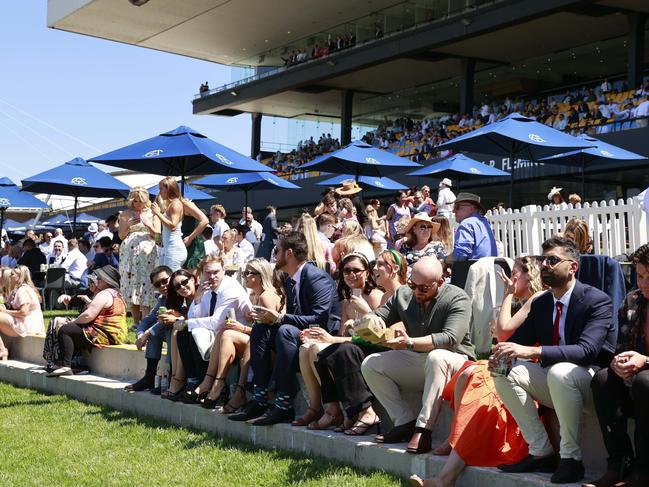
<point x="193" y="397"/>
<point x="345" y="425"/>
<point x="174" y="396"/>
<point x="308" y="417"/>
<point x="360" y="427"/>
<point x="208" y="402"/>
<point x="230" y="408"/>
<point x="330" y="420"/>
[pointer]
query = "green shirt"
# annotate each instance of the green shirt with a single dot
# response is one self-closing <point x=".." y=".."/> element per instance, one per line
<point x="447" y="319"/>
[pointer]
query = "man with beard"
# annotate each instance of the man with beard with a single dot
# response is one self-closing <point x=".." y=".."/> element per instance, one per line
<point x="432" y="322"/>
<point x="311" y="299"/>
<point x="570" y="335"/>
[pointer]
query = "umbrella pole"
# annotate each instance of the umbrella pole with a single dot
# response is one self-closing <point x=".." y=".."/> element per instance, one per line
<point x="511" y="179"/>
<point x="74" y="219"/>
<point x="182" y="185"/>
<point x="583" y="177"/>
<point x="2" y="221"/>
<point x="245" y="206"/>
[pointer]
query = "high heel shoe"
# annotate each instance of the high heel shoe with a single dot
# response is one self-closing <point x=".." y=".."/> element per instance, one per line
<point x="4" y="355"/>
<point x="209" y="403"/>
<point x="230" y="407"/>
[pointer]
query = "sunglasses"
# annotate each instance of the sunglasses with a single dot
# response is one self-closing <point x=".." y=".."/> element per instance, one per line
<point x="250" y="273"/>
<point x="551" y="260"/>
<point x="423" y="288"/>
<point x="161" y="282"/>
<point x="424" y="227"/>
<point x="183" y="283"/>
<point x="459" y="207"/>
<point x="352" y="270"/>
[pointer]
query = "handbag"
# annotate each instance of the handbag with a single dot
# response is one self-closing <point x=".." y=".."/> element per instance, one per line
<point x="204" y="340"/>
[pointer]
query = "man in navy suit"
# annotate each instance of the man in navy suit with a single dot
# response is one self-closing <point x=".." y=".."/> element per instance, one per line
<point x="311" y="299"/>
<point x="570" y="331"/>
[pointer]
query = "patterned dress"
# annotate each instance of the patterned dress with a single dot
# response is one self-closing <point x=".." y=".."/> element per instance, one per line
<point x="109" y="327"/>
<point x="138" y="256"/>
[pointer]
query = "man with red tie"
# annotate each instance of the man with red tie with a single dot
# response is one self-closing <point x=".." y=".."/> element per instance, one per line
<point x="567" y="336"/>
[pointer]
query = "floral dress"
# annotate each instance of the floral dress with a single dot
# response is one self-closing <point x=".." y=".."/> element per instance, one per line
<point x="435" y="249"/>
<point x="109" y="327"/>
<point x="138" y="256"/>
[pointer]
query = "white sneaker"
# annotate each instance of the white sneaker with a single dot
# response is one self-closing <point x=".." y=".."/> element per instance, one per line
<point x="60" y="371"/>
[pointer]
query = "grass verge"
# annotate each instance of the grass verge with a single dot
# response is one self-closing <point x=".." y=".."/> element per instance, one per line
<point x="54" y="440"/>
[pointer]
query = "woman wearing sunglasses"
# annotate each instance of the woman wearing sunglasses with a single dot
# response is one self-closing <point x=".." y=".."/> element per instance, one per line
<point x="419" y="239"/>
<point x="358" y="293"/>
<point x="233" y="342"/>
<point x="180" y="293"/>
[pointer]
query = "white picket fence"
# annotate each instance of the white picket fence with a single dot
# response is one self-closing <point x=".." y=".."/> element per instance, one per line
<point x="616" y="227"/>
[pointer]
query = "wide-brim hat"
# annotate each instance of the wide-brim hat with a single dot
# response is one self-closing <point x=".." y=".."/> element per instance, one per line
<point x="109" y="275"/>
<point x="446" y="182"/>
<point x="470" y="197"/>
<point x="349" y="188"/>
<point x="93" y="228"/>
<point x="421" y="217"/>
<point x="554" y="191"/>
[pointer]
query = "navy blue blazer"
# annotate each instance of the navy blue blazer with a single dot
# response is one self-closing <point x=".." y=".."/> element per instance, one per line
<point x="318" y="301"/>
<point x="590" y="332"/>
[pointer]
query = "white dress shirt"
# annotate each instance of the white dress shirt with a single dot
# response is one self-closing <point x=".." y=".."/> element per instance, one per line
<point x="247" y="249"/>
<point x="230" y="294"/>
<point x="104" y="233"/>
<point x="445" y="200"/>
<point x="296" y="278"/>
<point x="60" y="238"/>
<point x="565" y="301"/>
<point x="75" y="263"/>
<point x="219" y="228"/>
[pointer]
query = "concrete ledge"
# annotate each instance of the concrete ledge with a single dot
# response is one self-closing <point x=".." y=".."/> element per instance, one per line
<point x="359" y="452"/>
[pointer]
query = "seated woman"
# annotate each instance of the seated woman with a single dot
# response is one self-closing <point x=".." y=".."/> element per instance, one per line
<point x="577" y="230"/>
<point x="419" y="241"/>
<point x="622" y="389"/>
<point x="234" y="341"/>
<point x="180" y="294"/>
<point x="483" y="433"/>
<point x="103" y="322"/>
<point x="21" y="314"/>
<point x="231" y="255"/>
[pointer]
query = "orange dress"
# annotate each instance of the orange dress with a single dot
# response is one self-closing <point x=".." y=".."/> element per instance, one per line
<point x="483" y="433"/>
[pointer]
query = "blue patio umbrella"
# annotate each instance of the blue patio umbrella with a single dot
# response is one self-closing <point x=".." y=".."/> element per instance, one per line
<point x="245" y="181"/>
<point x="601" y="152"/>
<point x="180" y="152"/>
<point x="191" y="193"/>
<point x="360" y="159"/>
<point x="516" y="136"/>
<point x="26" y="225"/>
<point x="76" y="178"/>
<point x="56" y="221"/>
<point x="12" y="197"/>
<point x="365" y="181"/>
<point x="459" y="166"/>
<point x="83" y="219"/>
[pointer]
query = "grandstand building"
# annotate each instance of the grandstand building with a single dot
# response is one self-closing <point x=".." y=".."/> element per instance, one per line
<point x="388" y="64"/>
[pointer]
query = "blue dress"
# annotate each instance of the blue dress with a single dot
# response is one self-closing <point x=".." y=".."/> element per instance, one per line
<point x="174" y="250"/>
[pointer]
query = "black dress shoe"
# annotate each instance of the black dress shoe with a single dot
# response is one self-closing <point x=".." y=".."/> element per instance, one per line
<point x="398" y="434"/>
<point x="143" y="384"/>
<point x="275" y="415"/>
<point x="156" y="391"/>
<point x="421" y="441"/>
<point x="250" y="411"/>
<point x="532" y="464"/>
<point x="568" y="471"/>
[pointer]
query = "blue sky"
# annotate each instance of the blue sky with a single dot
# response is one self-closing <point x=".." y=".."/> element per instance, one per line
<point x="64" y="95"/>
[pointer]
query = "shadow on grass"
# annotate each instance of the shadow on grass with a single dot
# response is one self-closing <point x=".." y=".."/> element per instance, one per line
<point x="33" y="402"/>
<point x="302" y="467"/>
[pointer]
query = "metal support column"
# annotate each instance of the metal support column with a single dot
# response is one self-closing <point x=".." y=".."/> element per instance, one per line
<point x="346" y="117"/>
<point x="636" y="49"/>
<point x="255" y="135"/>
<point x="466" y="85"/>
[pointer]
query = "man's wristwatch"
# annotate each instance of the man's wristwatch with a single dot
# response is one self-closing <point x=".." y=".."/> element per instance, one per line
<point x="410" y="345"/>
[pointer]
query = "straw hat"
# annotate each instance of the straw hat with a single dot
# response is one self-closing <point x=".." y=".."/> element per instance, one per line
<point x="109" y="275"/>
<point x="446" y="182"/>
<point x="470" y="197"/>
<point x="348" y="188"/>
<point x="553" y="191"/>
<point x="421" y="217"/>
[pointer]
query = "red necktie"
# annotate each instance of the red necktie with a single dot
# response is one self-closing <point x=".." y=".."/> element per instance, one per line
<point x="557" y="320"/>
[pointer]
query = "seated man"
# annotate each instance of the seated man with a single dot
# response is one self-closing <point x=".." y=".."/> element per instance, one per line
<point x="104" y="254"/>
<point x="474" y="237"/>
<point x="573" y="323"/>
<point x="75" y="263"/>
<point x="56" y="257"/>
<point x="431" y="345"/>
<point x="151" y="333"/>
<point x="32" y="257"/>
<point x="311" y="300"/>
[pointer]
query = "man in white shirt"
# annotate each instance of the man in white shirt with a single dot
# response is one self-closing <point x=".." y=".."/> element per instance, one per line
<point x="58" y="237"/>
<point x="642" y="110"/>
<point x="245" y="246"/>
<point x="209" y="244"/>
<point x="445" y="198"/>
<point x="103" y="230"/>
<point x="75" y="264"/>
<point x="254" y="234"/>
<point x="44" y="246"/>
<point x="217" y="215"/>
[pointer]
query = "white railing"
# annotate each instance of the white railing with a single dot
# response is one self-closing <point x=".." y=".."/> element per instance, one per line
<point x="615" y="227"/>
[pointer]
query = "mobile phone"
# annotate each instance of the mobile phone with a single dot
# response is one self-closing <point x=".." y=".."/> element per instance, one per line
<point x="258" y="309"/>
<point x="357" y="292"/>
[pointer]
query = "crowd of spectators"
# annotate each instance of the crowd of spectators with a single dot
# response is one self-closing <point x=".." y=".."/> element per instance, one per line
<point x="306" y="150"/>
<point x="319" y="51"/>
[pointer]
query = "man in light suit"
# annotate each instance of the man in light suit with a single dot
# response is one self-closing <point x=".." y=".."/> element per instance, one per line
<point x="570" y="330"/>
<point x="311" y="300"/>
<point x="269" y="232"/>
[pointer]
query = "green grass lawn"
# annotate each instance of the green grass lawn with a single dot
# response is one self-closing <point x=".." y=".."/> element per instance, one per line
<point x="52" y="440"/>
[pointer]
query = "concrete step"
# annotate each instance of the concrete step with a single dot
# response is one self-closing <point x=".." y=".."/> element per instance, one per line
<point x="359" y="452"/>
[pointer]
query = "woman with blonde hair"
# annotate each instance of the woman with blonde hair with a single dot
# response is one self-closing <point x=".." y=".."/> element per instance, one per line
<point x="138" y="253"/>
<point x="352" y="240"/>
<point x="317" y="253"/>
<point x="23" y="316"/>
<point x="234" y="341"/>
<point x="577" y="230"/>
<point x="230" y="254"/>
<point x="169" y="209"/>
<point x="443" y="233"/>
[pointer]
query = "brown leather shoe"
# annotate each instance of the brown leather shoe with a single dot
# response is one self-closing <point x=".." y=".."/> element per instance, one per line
<point x="398" y="434"/>
<point x="309" y="416"/>
<point x="420" y="441"/>
<point x="610" y="479"/>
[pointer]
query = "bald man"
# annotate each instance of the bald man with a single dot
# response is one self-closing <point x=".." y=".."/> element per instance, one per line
<point x="430" y="346"/>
